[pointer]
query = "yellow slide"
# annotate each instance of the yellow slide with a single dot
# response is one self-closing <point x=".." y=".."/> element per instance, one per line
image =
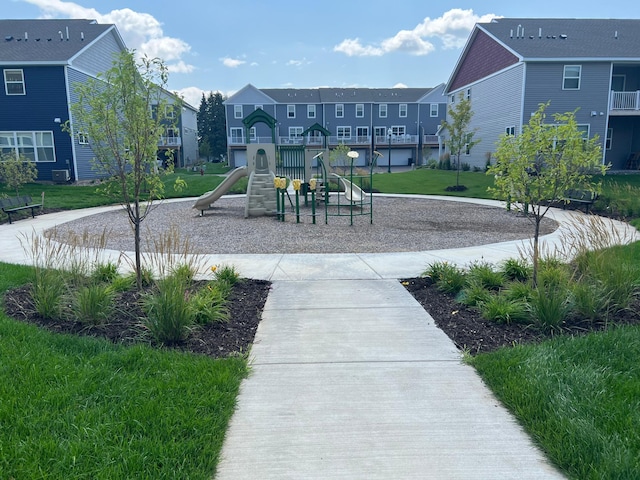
<point x="204" y="202"/>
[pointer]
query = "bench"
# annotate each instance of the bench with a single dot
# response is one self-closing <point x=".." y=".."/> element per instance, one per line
<point x="581" y="197"/>
<point x="15" y="204"/>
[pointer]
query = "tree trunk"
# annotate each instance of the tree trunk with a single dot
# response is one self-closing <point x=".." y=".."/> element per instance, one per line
<point x="536" y="252"/>
<point x="136" y="240"/>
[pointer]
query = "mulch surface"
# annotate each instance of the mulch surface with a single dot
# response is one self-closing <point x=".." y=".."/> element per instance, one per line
<point x="219" y="339"/>
<point x="465" y="326"/>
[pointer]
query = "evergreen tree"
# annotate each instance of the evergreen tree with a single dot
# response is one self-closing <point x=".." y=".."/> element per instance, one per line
<point x="212" y="127"/>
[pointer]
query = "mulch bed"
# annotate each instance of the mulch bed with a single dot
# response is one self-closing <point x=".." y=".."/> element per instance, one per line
<point x="219" y="339"/>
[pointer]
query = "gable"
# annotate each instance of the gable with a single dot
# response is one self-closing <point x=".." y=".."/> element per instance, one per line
<point x="249" y="95"/>
<point x="482" y="57"/>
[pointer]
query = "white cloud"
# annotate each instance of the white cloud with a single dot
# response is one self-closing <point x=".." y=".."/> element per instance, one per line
<point x="140" y="31"/>
<point x="297" y="63"/>
<point x="232" y="62"/>
<point x="399" y="85"/>
<point x="452" y="29"/>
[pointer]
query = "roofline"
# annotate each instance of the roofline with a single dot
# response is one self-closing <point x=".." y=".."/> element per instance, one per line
<point x="112" y="28"/>
<point x="57" y="63"/>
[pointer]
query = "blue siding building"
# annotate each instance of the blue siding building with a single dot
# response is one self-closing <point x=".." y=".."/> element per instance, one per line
<point x="399" y="123"/>
<point x="40" y="61"/>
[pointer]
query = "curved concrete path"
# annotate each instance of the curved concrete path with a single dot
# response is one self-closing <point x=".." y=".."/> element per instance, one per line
<point x="350" y="377"/>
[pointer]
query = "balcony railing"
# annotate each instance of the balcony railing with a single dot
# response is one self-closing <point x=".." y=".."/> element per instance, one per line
<point x="397" y="139"/>
<point x="170" y="142"/>
<point x="625" y="100"/>
<point x="336" y="140"/>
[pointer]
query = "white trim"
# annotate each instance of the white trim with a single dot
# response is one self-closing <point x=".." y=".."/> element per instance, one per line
<point x="13" y="82"/>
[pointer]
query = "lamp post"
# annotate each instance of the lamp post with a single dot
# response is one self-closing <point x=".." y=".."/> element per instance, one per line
<point x="389" y="164"/>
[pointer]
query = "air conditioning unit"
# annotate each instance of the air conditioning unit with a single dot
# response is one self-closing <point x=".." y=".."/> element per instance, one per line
<point x="60" y="176"/>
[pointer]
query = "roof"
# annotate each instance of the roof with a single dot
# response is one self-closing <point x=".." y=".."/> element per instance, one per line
<point x="564" y="38"/>
<point x="346" y="95"/>
<point x="46" y="41"/>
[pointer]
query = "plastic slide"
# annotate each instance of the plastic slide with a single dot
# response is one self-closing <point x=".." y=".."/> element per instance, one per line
<point x="352" y="192"/>
<point x="204" y="202"/>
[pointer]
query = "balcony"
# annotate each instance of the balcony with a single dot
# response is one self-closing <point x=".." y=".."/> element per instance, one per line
<point x="169" y="142"/>
<point x="397" y="139"/>
<point x="625" y="103"/>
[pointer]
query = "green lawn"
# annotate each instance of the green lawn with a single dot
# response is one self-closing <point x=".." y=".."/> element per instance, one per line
<point x="75" y="407"/>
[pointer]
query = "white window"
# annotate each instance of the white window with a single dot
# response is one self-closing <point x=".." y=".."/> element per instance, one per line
<point x="571" y="78"/>
<point x="452" y="99"/>
<point x="510" y="130"/>
<point x="339" y="110"/>
<point x="252" y="134"/>
<point x="259" y="107"/>
<point x="237" y="111"/>
<point x="14" y="82"/>
<point x="607" y="142"/>
<point x="359" y="110"/>
<point x="402" y="110"/>
<point x="344" y="133"/>
<point x="291" y="111"/>
<point x="380" y="133"/>
<point x="467" y="94"/>
<point x="433" y="110"/>
<point x="83" y="138"/>
<point x="295" y="132"/>
<point x="237" y="135"/>
<point x="35" y="146"/>
<point x="382" y="110"/>
<point x="169" y="112"/>
<point x="311" y="111"/>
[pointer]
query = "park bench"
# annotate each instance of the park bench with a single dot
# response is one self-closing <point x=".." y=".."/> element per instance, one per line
<point x="16" y="204"/>
<point x="580" y="197"/>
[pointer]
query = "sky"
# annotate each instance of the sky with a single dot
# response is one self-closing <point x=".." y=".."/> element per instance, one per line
<point x="213" y="45"/>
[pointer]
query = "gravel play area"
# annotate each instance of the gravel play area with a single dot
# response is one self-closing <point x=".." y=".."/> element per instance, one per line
<point x="400" y="224"/>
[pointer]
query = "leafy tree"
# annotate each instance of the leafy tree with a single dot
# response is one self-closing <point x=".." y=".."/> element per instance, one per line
<point x="338" y="159"/>
<point x="16" y="171"/>
<point x="537" y="168"/>
<point x="460" y="137"/>
<point x="124" y="112"/>
<point x="212" y="125"/>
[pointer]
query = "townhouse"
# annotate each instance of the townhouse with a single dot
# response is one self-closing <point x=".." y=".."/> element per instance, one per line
<point x="510" y="66"/>
<point x="40" y="60"/>
<point x="399" y="123"/>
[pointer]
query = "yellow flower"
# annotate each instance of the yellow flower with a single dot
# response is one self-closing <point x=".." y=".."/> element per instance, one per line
<point x="214" y="268"/>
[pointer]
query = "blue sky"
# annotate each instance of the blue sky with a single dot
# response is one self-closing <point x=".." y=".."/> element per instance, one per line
<point x="224" y="45"/>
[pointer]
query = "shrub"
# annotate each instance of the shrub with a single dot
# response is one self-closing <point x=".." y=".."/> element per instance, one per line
<point x="549" y="307"/>
<point x="209" y="305"/>
<point x="473" y="294"/>
<point x="447" y="277"/>
<point x="93" y="304"/>
<point x="498" y="308"/>
<point x="47" y="291"/>
<point x="590" y="300"/>
<point x="169" y="316"/>
<point x="518" y="291"/>
<point x="485" y="274"/>
<point x="516" y="269"/>
<point x="225" y="277"/>
<point x="104" y="272"/>
<point x="465" y="167"/>
<point x="432" y="164"/>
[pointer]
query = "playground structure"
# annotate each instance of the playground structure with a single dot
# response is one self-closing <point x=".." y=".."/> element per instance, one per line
<point x="278" y="173"/>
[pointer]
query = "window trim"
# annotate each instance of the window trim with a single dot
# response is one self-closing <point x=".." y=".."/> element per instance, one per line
<point x="437" y="110"/>
<point x="510" y="130"/>
<point x="566" y="78"/>
<point x="235" y="140"/>
<point x="237" y="111"/>
<point x="35" y="135"/>
<point x="13" y="82"/>
<point x="311" y="110"/>
<point x="381" y="107"/>
<point x="403" y="112"/>
<point x="359" y="110"/>
<point x="345" y="129"/>
<point x="608" y="141"/>
<point x="83" y="138"/>
<point x="291" y="110"/>
<point x="295" y="132"/>
<point x="339" y="110"/>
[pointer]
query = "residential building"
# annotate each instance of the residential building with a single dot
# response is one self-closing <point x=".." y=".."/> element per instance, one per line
<point x="510" y="66"/>
<point x="40" y="61"/>
<point x="399" y="123"/>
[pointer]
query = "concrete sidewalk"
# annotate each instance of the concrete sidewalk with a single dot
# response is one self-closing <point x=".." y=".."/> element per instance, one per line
<point x="351" y="379"/>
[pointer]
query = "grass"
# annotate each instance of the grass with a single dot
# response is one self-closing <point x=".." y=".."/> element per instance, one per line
<point x="578" y="397"/>
<point x="425" y="181"/>
<point x="84" y="408"/>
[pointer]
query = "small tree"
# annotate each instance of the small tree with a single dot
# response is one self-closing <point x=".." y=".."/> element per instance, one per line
<point x="460" y="137"/>
<point x="16" y="171"/>
<point x="535" y="169"/>
<point x="124" y="113"/>
<point x="338" y="158"/>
